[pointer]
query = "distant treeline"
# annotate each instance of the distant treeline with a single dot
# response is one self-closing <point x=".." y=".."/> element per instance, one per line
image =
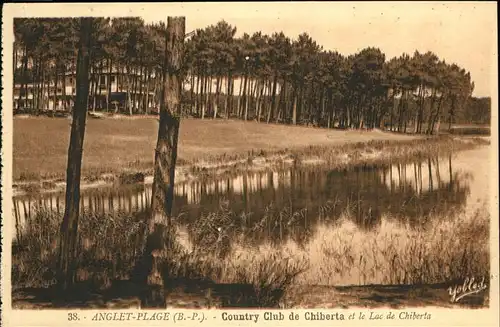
<point x="278" y="79"/>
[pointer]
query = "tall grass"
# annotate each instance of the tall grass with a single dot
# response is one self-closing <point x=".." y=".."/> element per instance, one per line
<point x="447" y="249"/>
<point x="214" y="249"/>
<point x="109" y="248"/>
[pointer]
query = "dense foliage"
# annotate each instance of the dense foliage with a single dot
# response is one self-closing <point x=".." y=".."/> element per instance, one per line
<point x="277" y="79"/>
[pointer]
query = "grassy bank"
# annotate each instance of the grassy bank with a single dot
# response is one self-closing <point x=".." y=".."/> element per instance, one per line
<point x="339" y="253"/>
<point x="335" y="149"/>
<point x="117" y="145"/>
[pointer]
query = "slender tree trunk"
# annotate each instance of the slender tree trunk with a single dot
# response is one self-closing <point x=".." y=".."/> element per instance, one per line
<point x="16" y="75"/>
<point x="159" y="227"/>
<point x="25" y="79"/>
<point x="191" y="96"/>
<point x="148" y="82"/>
<point x="300" y="107"/>
<point x="64" y="102"/>
<point x="41" y="87"/>
<point x="231" y="97"/>
<point x="452" y="111"/>
<point x="35" y="82"/>
<point x="197" y="96"/>
<point x="238" y="112"/>
<point x="202" y="95"/>
<point x="282" y="103"/>
<point x="437" y="115"/>
<point x="133" y="96"/>
<point x="155" y="89"/>
<point x="321" y="112"/>
<point x="245" y="97"/>
<point x="47" y="98"/>
<point x="56" y="82"/>
<point x="260" y="99"/>
<point x="294" y="113"/>
<point x="128" y="99"/>
<point x="108" y="83"/>
<point x="96" y="87"/>
<point x="249" y="97"/>
<point x="431" y="112"/>
<point x="218" y="87"/>
<point x="273" y="98"/>
<point x="209" y="103"/>
<point x="205" y="96"/>
<point x="92" y="81"/>
<point x="227" y="99"/>
<point x="69" y="226"/>
<point x="102" y="73"/>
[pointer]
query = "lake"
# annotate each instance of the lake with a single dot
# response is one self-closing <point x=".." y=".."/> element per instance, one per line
<point x="299" y="208"/>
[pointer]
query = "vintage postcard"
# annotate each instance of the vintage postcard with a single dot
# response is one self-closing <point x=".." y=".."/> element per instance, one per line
<point x="263" y="163"/>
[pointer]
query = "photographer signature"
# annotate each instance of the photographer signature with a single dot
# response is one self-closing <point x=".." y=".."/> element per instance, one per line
<point x="470" y="286"/>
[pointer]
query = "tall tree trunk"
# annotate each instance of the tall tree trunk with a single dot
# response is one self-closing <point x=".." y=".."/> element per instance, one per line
<point x="260" y="99"/>
<point x="452" y="111"/>
<point x="92" y="81"/>
<point x="108" y="83"/>
<point x="25" y="79"/>
<point x="321" y="112"/>
<point x="392" y="108"/>
<point x="283" y="103"/>
<point x="56" y="82"/>
<point x="437" y="115"/>
<point x="240" y="95"/>
<point x="197" y="95"/>
<point x="48" y="92"/>
<point x="191" y="97"/>
<point x="204" y="98"/>
<point x="64" y="102"/>
<point x="208" y="99"/>
<point x="133" y="95"/>
<point x="96" y="87"/>
<point x="148" y="82"/>
<point x="227" y="99"/>
<point x="294" y="106"/>
<point x="128" y="99"/>
<point x="217" y="95"/>
<point x="231" y="96"/>
<point x="431" y="112"/>
<point x="36" y="86"/>
<point x="41" y="88"/>
<point x="165" y="159"/>
<point x="245" y="96"/>
<point x="273" y="97"/>
<point x="69" y="226"/>
<point x="101" y="73"/>
<point x="248" y="98"/>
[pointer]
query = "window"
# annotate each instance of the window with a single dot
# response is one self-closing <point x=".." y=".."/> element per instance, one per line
<point x="113" y="79"/>
<point x="71" y="80"/>
<point x="103" y="80"/>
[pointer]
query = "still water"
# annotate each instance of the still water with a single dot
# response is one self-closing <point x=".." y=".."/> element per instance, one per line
<point x="410" y="192"/>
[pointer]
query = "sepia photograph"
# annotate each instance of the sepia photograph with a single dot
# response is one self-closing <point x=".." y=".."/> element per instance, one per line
<point x="268" y="156"/>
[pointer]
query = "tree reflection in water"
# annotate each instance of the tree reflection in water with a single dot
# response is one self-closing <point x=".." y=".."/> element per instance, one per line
<point x="287" y="205"/>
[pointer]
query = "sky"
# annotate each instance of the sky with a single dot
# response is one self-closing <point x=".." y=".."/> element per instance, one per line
<point x="459" y="32"/>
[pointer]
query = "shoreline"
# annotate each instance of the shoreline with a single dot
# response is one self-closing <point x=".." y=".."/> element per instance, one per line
<point x="301" y="297"/>
<point x="343" y="156"/>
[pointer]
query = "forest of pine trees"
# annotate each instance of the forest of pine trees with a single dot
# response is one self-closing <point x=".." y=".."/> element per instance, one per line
<point x="268" y="78"/>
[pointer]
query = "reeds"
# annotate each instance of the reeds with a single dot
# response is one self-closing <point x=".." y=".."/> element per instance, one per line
<point x="445" y="250"/>
<point x="338" y="252"/>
